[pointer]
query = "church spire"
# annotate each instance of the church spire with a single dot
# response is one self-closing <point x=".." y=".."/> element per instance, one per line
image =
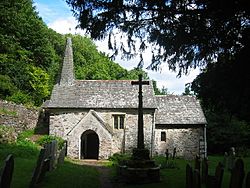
<point x="67" y="74"/>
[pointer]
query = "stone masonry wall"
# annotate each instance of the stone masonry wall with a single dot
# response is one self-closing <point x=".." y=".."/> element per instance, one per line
<point x="186" y="142"/>
<point x="18" y="116"/>
<point x="70" y="125"/>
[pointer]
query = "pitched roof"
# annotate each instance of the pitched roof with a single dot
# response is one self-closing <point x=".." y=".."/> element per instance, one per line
<point x="94" y="94"/>
<point x="173" y="109"/>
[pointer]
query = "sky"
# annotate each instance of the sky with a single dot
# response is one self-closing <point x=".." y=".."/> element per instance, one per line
<point x="58" y="16"/>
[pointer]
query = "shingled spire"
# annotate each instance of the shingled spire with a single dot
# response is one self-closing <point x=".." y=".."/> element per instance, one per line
<point x="67" y="74"/>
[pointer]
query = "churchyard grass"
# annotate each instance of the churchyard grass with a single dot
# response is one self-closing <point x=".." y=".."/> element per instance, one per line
<point x="176" y="177"/>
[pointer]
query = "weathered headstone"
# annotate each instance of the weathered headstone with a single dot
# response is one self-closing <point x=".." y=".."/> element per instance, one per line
<point x="174" y="153"/>
<point x="225" y="159"/>
<point x="53" y="158"/>
<point x="216" y="180"/>
<point x="167" y="154"/>
<point x="189" y="176"/>
<point x="231" y="158"/>
<point x="248" y="180"/>
<point x="196" y="179"/>
<point x="237" y="174"/>
<point x="204" y="170"/>
<point x="38" y="168"/>
<point x="62" y="154"/>
<point x="7" y="172"/>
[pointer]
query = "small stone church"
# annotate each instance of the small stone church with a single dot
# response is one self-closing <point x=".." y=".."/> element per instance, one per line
<point x="99" y="118"/>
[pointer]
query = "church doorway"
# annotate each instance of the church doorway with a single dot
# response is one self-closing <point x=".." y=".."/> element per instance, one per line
<point x="89" y="145"/>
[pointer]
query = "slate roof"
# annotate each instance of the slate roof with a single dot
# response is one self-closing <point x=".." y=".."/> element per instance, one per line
<point x="174" y="109"/>
<point x="105" y="94"/>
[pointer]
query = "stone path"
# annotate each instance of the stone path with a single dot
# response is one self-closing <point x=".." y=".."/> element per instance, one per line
<point x="105" y="172"/>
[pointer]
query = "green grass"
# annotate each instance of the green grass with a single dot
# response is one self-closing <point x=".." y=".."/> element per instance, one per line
<point x="4" y="111"/>
<point x="68" y="174"/>
<point x="72" y="175"/>
<point x="176" y="177"/>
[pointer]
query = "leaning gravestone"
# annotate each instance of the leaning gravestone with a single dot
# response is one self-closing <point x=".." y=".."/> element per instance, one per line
<point x="225" y="159"/>
<point x="7" y="172"/>
<point x="216" y="180"/>
<point x="62" y="154"/>
<point x="38" y="169"/>
<point x="237" y="174"/>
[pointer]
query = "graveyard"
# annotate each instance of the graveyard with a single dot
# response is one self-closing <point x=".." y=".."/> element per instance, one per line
<point x="75" y="173"/>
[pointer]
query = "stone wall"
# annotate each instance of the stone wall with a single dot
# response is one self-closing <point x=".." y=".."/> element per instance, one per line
<point x="18" y="116"/>
<point x="71" y="124"/>
<point x="186" y="141"/>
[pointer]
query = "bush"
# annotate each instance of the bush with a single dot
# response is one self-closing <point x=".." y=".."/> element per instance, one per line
<point x="20" y="98"/>
<point x="7" y="134"/>
<point x="120" y="159"/>
<point x="48" y="138"/>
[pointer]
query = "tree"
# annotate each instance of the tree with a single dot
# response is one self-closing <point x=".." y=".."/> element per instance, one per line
<point x="185" y="33"/>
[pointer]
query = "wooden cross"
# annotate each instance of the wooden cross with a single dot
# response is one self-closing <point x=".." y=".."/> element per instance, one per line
<point x="140" y="134"/>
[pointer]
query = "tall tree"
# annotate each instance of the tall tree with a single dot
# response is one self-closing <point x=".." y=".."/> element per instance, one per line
<point x="185" y="33"/>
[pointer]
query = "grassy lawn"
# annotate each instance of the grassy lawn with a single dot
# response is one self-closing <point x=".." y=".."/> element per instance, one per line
<point x="72" y="174"/>
<point x="176" y="178"/>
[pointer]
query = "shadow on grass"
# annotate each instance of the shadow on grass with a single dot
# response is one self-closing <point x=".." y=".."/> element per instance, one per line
<point x="72" y="175"/>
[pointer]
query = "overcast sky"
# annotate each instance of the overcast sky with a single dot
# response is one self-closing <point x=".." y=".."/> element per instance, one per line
<point x="57" y="15"/>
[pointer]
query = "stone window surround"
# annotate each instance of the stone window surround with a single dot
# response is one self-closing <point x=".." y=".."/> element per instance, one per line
<point x="118" y="115"/>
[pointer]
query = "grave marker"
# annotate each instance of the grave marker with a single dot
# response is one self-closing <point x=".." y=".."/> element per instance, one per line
<point x="7" y="172"/>
<point x="237" y="174"/>
<point x="216" y="180"/>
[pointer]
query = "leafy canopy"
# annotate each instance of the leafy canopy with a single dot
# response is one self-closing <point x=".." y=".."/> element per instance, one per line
<point x="186" y="33"/>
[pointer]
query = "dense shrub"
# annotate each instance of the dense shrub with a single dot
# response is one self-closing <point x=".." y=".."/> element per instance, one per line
<point x="42" y="141"/>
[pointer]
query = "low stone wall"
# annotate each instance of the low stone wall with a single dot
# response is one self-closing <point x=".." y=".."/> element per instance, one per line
<point x="17" y="116"/>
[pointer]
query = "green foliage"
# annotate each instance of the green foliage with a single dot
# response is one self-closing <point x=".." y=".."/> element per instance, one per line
<point x="30" y="53"/>
<point x="120" y="159"/>
<point x="224" y="132"/>
<point x="184" y="34"/>
<point x="45" y="139"/>
<point x="7" y="88"/>
<point x="7" y="134"/>
<point x="4" y="111"/>
<point x="20" y="98"/>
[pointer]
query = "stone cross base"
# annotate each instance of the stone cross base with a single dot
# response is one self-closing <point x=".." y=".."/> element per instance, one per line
<point x="140" y="154"/>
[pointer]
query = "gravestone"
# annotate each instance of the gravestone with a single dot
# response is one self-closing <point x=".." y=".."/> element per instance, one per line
<point x="196" y="179"/>
<point x="174" y="153"/>
<point x="204" y="170"/>
<point x="237" y="174"/>
<point x="248" y="180"/>
<point x="53" y="158"/>
<point x="189" y="176"/>
<point x="41" y="167"/>
<point x="167" y="154"/>
<point x="231" y="158"/>
<point x="7" y="172"/>
<point x="225" y="159"/>
<point x="62" y="154"/>
<point x="216" y="180"/>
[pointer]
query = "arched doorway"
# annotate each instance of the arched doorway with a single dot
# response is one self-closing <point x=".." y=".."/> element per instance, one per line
<point x="89" y="145"/>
